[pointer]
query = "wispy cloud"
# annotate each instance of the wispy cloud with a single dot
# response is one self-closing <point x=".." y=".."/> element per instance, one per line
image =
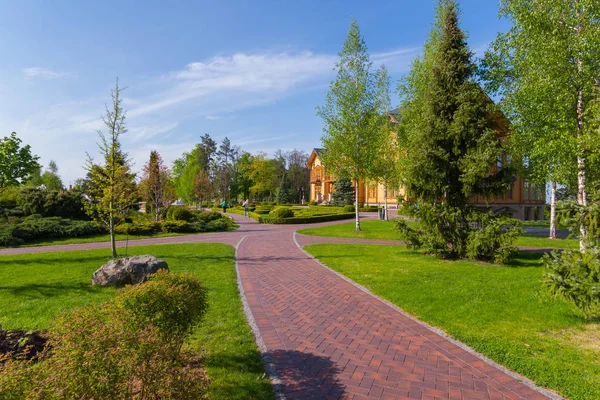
<point x="213" y="117"/>
<point x="38" y="72"/>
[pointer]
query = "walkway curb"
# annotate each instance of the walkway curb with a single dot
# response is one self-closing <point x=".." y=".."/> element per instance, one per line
<point x="438" y="331"/>
<point x="270" y="369"/>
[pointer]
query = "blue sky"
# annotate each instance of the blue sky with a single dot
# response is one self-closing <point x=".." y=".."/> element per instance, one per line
<point x="253" y="71"/>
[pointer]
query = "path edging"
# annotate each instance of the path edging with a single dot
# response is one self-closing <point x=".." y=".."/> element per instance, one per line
<point x="260" y="343"/>
<point x="526" y="381"/>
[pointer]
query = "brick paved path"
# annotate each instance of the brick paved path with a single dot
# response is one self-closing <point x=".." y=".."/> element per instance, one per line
<point x="325" y="338"/>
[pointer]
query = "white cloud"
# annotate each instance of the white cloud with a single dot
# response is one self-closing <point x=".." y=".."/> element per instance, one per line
<point x="35" y="72"/>
<point x="211" y="89"/>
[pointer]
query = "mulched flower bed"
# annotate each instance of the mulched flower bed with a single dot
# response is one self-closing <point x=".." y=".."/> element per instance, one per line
<point x="21" y="344"/>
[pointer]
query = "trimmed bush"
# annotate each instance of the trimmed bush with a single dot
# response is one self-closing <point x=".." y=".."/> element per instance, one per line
<point x="138" y="228"/>
<point x="349" y="208"/>
<point x="282" y="212"/>
<point x="179" y="213"/>
<point x="175" y="226"/>
<point x="36" y="227"/>
<point x="132" y="342"/>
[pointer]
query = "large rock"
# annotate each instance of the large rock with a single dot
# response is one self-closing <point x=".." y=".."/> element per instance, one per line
<point x="127" y="271"/>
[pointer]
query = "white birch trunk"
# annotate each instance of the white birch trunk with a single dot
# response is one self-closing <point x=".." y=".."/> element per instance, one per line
<point x="357" y="207"/>
<point x="385" y="205"/>
<point x="553" y="210"/>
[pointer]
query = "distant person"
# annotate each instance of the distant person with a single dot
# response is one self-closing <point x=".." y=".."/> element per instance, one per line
<point x="245" y="204"/>
<point x="224" y="205"/>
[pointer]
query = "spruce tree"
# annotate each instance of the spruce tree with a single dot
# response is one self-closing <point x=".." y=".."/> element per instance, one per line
<point x="449" y="134"/>
<point x="344" y="192"/>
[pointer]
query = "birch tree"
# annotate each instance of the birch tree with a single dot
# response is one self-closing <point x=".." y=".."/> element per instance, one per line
<point x="547" y="66"/>
<point x="350" y="117"/>
<point x="387" y="165"/>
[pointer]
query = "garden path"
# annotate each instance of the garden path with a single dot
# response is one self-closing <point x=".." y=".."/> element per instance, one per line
<point x="324" y="337"/>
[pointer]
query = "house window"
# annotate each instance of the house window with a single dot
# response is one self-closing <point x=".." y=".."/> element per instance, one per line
<point x="526" y="190"/>
<point x="509" y="193"/>
<point x="372" y="191"/>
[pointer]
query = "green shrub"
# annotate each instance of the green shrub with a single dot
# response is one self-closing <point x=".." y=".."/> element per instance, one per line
<point x="312" y="203"/>
<point x="282" y="212"/>
<point x="216" y="225"/>
<point x="575" y="276"/>
<point x="36" y="227"/>
<point x="129" y="347"/>
<point x="138" y="228"/>
<point x="492" y="238"/>
<point x="9" y="197"/>
<point x="179" y="213"/>
<point x="450" y="232"/>
<point x="348" y="208"/>
<point x="174" y="226"/>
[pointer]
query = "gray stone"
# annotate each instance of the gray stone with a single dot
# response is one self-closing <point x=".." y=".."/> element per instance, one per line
<point x="127" y="271"/>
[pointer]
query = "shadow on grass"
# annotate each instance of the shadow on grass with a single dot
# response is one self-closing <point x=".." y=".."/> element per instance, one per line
<point x="35" y="290"/>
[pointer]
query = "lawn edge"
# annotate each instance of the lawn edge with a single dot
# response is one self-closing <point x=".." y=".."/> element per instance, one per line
<point x="260" y="343"/>
<point x="526" y="381"/>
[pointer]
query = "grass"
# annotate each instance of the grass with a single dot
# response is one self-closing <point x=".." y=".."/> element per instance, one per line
<point x="502" y="312"/>
<point x="384" y="230"/>
<point x="36" y="287"/>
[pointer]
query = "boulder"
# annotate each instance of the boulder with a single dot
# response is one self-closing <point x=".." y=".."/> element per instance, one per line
<point x="127" y="271"/>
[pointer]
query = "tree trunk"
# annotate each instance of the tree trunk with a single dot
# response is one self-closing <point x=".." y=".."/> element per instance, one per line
<point x="357" y="207"/>
<point x="385" y="205"/>
<point x="582" y="200"/>
<point x="553" y="210"/>
<point x="111" y="228"/>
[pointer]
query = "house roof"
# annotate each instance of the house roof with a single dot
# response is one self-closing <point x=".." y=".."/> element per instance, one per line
<point x="316" y="152"/>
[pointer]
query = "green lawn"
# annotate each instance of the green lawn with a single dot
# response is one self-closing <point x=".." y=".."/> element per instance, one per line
<point x="502" y="312"/>
<point x="375" y="229"/>
<point x="35" y="287"/>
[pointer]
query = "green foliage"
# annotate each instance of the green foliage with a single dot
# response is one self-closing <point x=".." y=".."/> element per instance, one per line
<point x="112" y="191"/>
<point x="344" y="192"/>
<point x="312" y="203"/>
<point x="52" y="203"/>
<point x="36" y="227"/>
<point x="133" y="342"/>
<point x="179" y="213"/>
<point x="16" y="162"/>
<point x="175" y="226"/>
<point x="492" y="238"/>
<point x="449" y="127"/>
<point x="156" y="186"/>
<point x="575" y="276"/>
<point x="451" y="232"/>
<point x="348" y="208"/>
<point x="282" y="212"/>
<point x="138" y="228"/>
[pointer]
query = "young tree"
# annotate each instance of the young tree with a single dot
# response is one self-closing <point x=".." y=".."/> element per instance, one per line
<point x="351" y="122"/>
<point x="547" y="67"/>
<point x="112" y="188"/>
<point x="16" y="162"/>
<point x="156" y="187"/>
<point x="50" y="178"/>
<point x="263" y="174"/>
<point x="202" y="187"/>
<point x="387" y="166"/>
<point x="298" y="174"/>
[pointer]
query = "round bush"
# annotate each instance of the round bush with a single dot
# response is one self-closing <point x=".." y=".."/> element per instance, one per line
<point x="282" y="212"/>
<point x="179" y="213"/>
<point x="348" y="208"/>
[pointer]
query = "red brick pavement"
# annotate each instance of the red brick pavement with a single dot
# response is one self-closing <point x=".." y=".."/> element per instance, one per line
<point x="326" y="338"/>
